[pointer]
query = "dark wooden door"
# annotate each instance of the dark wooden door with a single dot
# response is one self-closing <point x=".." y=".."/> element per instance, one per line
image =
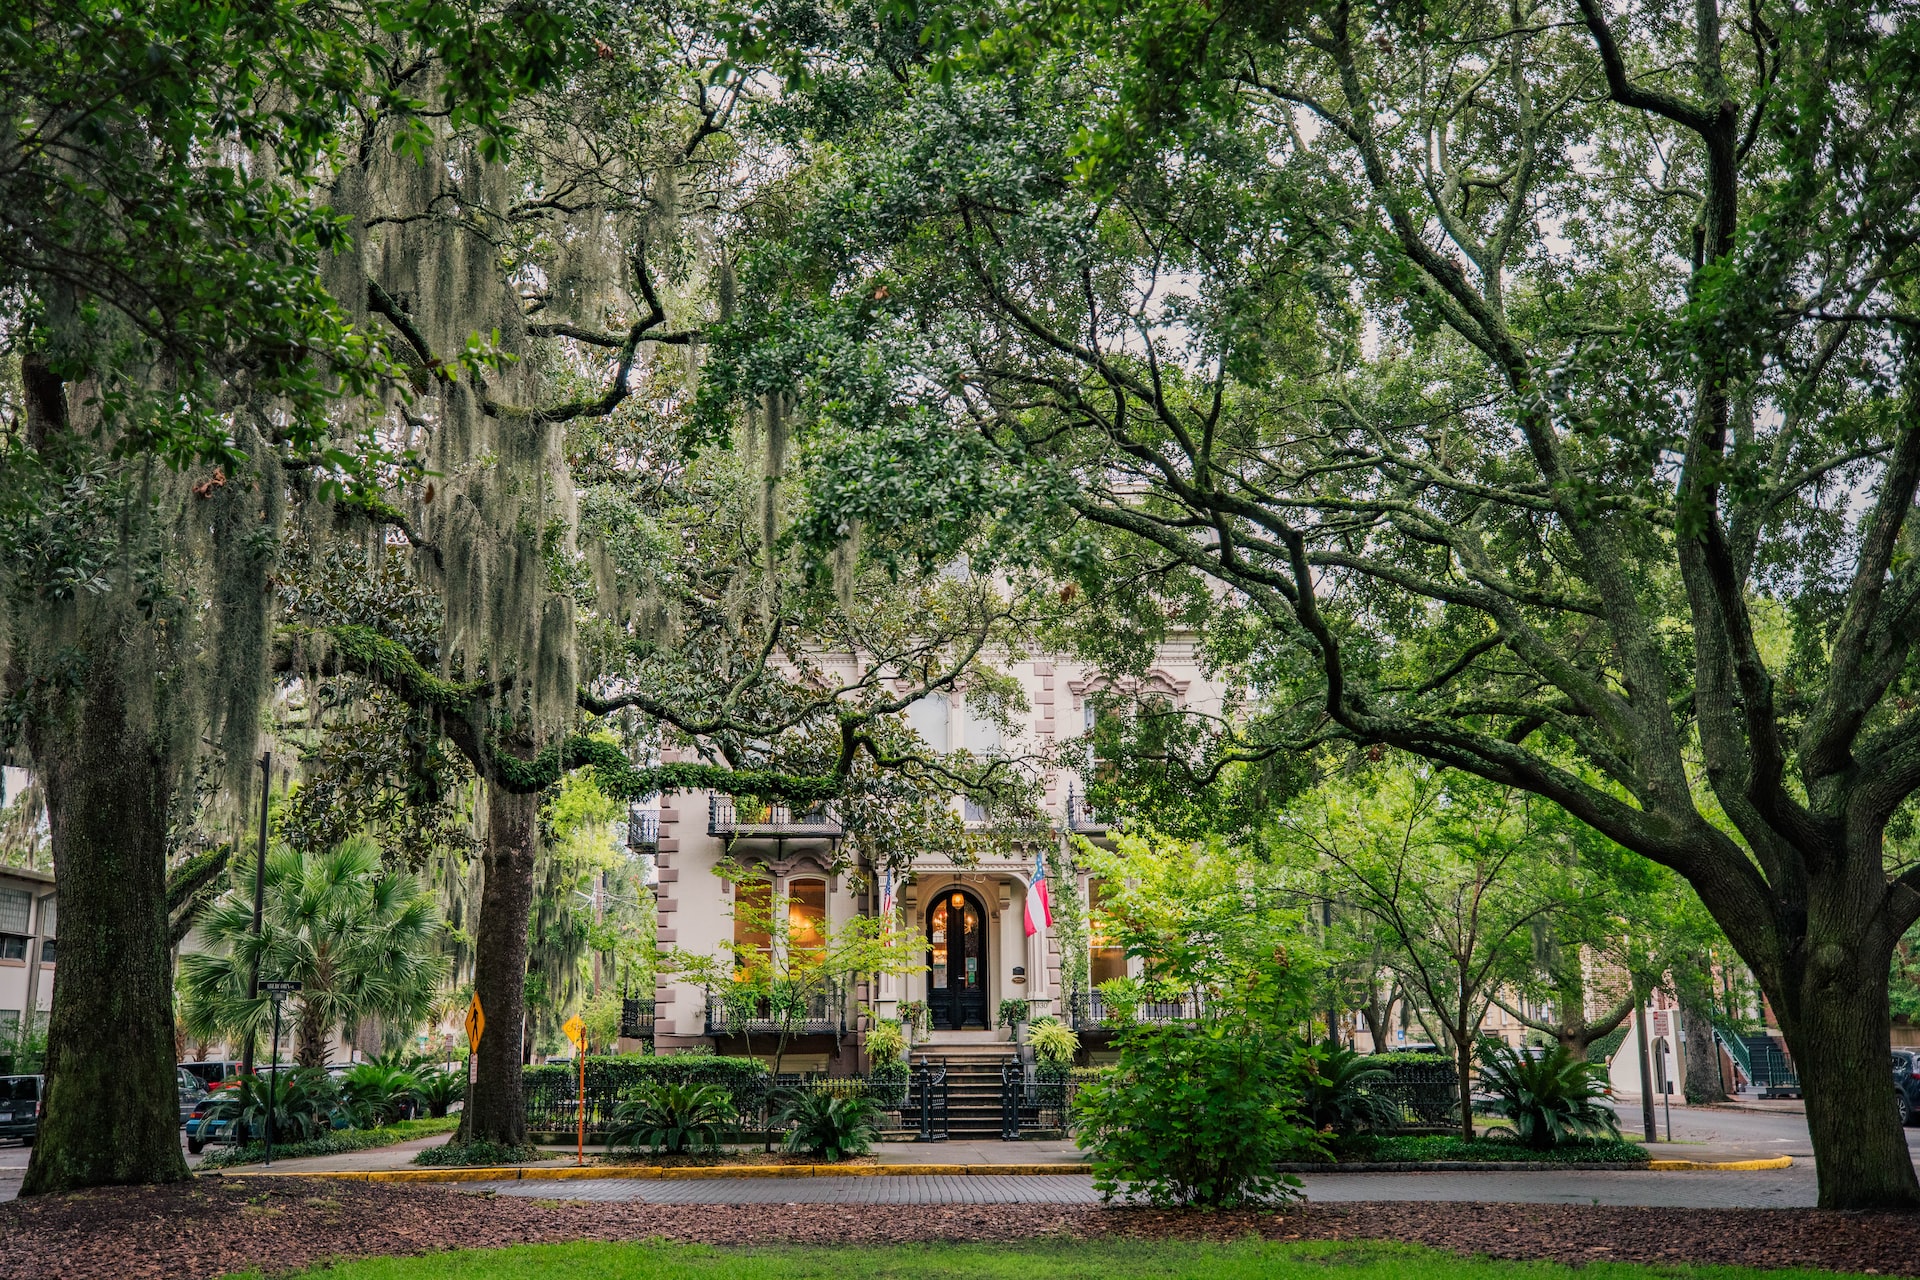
<point x="957" y="962"/>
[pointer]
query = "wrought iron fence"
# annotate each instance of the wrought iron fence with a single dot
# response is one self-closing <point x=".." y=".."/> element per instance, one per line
<point x="636" y="1019"/>
<point x="1089" y="1011"/>
<point x="823" y="1013"/>
<point x="1428" y="1093"/>
<point x="643" y="829"/>
<point x="1035" y="1098"/>
<point x="915" y="1103"/>
<point x="1080" y="814"/>
<point x="728" y="815"/>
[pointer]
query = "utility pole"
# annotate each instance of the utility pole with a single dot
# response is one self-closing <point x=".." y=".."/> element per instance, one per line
<point x="259" y="906"/>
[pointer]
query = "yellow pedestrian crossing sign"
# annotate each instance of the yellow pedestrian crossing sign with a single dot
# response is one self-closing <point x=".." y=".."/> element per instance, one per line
<point x="576" y="1031"/>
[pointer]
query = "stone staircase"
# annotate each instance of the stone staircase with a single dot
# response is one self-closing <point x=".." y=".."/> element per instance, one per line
<point x="973" y="1085"/>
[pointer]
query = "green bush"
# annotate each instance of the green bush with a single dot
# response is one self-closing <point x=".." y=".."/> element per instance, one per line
<point x="330" y="1144"/>
<point x="742" y="1077"/>
<point x="480" y="1155"/>
<point x="891" y="1081"/>
<point x="377" y="1093"/>
<point x="1547" y="1100"/>
<point x="1423" y="1147"/>
<point x="1195" y="1115"/>
<point x="1053" y="1043"/>
<point x="829" y="1126"/>
<point x="302" y="1101"/>
<point x="673" y="1118"/>
<point x="439" y="1089"/>
<point x="1340" y="1091"/>
<point x="886" y="1042"/>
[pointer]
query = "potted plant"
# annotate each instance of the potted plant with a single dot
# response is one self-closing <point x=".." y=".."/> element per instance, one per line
<point x="1013" y="1016"/>
<point x="915" y="1019"/>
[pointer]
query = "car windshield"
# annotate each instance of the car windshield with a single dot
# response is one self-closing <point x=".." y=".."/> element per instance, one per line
<point x="19" y="1088"/>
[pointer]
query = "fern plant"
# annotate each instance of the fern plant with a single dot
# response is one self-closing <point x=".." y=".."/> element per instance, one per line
<point x="673" y="1118"/>
<point x="827" y="1126"/>
<point x="1547" y="1100"/>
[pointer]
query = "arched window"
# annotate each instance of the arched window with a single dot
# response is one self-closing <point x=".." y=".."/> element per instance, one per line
<point x="752" y="907"/>
<point x="807" y="915"/>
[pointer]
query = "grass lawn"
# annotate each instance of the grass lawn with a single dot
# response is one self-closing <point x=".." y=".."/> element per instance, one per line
<point x="1065" y="1260"/>
<point x="332" y="1144"/>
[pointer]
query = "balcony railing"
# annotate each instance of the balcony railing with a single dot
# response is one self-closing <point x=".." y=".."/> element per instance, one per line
<point x="636" y="1019"/>
<point x="824" y="1013"/>
<point x="1081" y="817"/>
<point x="643" y="829"/>
<point x="1088" y="1011"/>
<point x="728" y="816"/>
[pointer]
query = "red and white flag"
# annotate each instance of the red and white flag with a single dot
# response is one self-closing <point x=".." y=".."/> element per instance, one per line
<point x="1037" y="891"/>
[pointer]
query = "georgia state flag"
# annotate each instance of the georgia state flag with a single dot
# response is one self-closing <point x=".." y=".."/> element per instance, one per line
<point x="1038" y="891"/>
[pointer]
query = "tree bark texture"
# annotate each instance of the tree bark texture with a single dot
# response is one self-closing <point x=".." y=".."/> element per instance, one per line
<point x="1703" y="1082"/>
<point x="112" y="1105"/>
<point x="496" y="1106"/>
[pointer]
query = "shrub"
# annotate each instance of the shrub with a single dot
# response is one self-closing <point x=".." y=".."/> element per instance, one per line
<point x="1195" y="1115"/>
<point x="915" y="1015"/>
<point x="891" y="1081"/>
<point x="1550" y="1099"/>
<point x="328" y="1144"/>
<point x="439" y="1089"/>
<point x="479" y="1155"/>
<point x="1340" y="1091"/>
<point x="829" y="1126"/>
<point x="302" y="1103"/>
<point x="1012" y="1013"/>
<point x="1053" y="1043"/>
<point x="377" y="1093"/>
<point x="886" y="1042"/>
<point x="673" y="1118"/>
<point x="552" y="1088"/>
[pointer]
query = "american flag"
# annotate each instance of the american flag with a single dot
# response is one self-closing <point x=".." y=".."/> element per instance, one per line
<point x="1038" y="890"/>
<point x="886" y="898"/>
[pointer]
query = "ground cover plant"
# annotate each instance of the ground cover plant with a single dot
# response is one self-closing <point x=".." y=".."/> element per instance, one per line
<point x="1380" y="1148"/>
<point x="480" y="1155"/>
<point x="1079" y="1260"/>
<point x="332" y="1144"/>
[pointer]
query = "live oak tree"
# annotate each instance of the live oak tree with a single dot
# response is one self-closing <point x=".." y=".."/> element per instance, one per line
<point x="1534" y="383"/>
<point x="173" y="355"/>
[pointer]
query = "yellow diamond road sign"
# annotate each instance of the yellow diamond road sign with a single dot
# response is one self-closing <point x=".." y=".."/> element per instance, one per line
<point x="476" y="1023"/>
<point x="576" y="1030"/>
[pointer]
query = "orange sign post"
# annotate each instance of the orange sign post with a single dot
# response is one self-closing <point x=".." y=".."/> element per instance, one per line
<point x="476" y="1027"/>
<point x="577" y="1032"/>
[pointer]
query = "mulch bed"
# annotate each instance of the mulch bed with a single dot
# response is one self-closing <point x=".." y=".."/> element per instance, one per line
<point x="207" y="1227"/>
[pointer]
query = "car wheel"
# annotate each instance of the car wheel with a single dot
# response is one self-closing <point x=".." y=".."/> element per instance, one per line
<point x="195" y="1146"/>
<point x="27" y="1141"/>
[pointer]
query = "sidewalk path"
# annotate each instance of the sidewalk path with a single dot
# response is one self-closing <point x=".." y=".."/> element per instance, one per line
<point x="1787" y="1188"/>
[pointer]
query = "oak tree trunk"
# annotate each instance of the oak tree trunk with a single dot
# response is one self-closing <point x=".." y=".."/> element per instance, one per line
<point x="112" y="1106"/>
<point x="496" y="1108"/>
<point x="1703" y="1082"/>
<point x="1838" y="1032"/>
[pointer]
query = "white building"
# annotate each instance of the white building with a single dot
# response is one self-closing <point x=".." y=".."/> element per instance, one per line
<point x="972" y="916"/>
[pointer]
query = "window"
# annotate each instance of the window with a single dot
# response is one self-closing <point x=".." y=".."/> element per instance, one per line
<point x="46" y="952"/>
<point x="983" y="735"/>
<point x="928" y="717"/>
<point x="807" y="915"/>
<point x="12" y="947"/>
<point x="1106" y="959"/>
<point x="752" y="907"/>
<point x="14" y="907"/>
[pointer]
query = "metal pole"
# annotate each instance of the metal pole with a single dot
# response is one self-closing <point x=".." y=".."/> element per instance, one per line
<point x="1646" y="1084"/>
<point x="273" y="1081"/>
<point x="1666" y="1090"/>
<point x="259" y="907"/>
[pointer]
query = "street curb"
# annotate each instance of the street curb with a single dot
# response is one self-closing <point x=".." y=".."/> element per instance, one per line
<point x="1539" y="1166"/>
<point x="692" y="1173"/>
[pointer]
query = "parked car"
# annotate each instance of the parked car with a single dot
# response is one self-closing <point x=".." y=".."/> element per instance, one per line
<point x="20" y="1107"/>
<point x="203" y="1132"/>
<point x="191" y="1091"/>
<point x="1906" y="1083"/>
<point x="211" y="1073"/>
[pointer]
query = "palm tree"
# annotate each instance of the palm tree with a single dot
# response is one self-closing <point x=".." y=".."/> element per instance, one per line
<point x="360" y="938"/>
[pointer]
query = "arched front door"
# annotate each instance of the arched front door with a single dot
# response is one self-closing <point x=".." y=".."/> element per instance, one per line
<point x="957" y="962"/>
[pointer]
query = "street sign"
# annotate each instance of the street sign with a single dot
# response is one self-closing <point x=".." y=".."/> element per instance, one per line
<point x="476" y="1024"/>
<point x="576" y="1030"/>
<point x="280" y="987"/>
